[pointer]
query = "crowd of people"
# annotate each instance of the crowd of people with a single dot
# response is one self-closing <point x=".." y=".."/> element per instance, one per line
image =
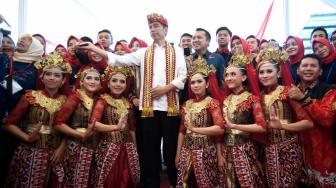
<point x="251" y="114"/>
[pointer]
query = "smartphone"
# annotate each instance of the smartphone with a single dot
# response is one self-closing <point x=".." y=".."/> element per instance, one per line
<point x="84" y="44"/>
<point x="186" y="51"/>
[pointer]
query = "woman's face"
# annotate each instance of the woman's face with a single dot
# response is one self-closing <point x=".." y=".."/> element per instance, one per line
<point x="321" y="50"/>
<point x="119" y="50"/>
<point x="135" y="46"/>
<point x="7" y="45"/>
<point x="96" y="57"/>
<point x="53" y="78"/>
<point x="91" y="81"/>
<point x="62" y="51"/>
<point x="233" y="77"/>
<point x="268" y="74"/>
<point x="71" y="46"/>
<point x="198" y="84"/>
<point x="23" y="44"/>
<point x="117" y="84"/>
<point x="237" y="47"/>
<point x="292" y="47"/>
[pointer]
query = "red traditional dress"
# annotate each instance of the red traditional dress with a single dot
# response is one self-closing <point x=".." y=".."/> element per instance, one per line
<point x="320" y="140"/>
<point x="30" y="166"/>
<point x="76" y="112"/>
<point x="242" y="168"/>
<point x="198" y="159"/>
<point x="116" y="161"/>
<point x="283" y="151"/>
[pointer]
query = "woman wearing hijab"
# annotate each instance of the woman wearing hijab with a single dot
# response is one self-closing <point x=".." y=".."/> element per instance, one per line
<point x="136" y="44"/>
<point x="327" y="53"/>
<point x="295" y="50"/>
<point x="43" y="41"/>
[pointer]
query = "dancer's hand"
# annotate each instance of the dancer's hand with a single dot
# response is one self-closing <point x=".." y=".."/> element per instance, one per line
<point x="35" y="135"/>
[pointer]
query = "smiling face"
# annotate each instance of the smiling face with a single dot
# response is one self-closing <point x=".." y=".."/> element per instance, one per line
<point x="321" y="50"/>
<point x="53" y="78"/>
<point x="268" y="74"/>
<point x="119" y="50"/>
<point x="91" y="81"/>
<point x="234" y="78"/>
<point x="7" y="45"/>
<point x="199" y="41"/>
<point x="117" y="84"/>
<point x="157" y="31"/>
<point x="292" y="47"/>
<point x="309" y="70"/>
<point x="198" y="85"/>
<point x="71" y="46"/>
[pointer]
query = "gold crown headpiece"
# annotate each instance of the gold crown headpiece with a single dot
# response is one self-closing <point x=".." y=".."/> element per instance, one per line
<point x="53" y="60"/>
<point x="239" y="61"/>
<point x="84" y="70"/>
<point x="201" y="66"/>
<point x="272" y="52"/>
<point x="110" y="70"/>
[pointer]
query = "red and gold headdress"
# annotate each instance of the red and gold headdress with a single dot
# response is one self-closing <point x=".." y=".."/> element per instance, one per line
<point x="125" y="70"/>
<point x="244" y="62"/>
<point x="275" y="55"/>
<point x="154" y="17"/>
<point x="111" y="70"/>
<point x="54" y="60"/>
<point x="201" y="66"/>
<point x="83" y="71"/>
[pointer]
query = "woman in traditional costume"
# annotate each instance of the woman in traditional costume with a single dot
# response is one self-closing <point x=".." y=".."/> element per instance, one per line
<point x="31" y="121"/>
<point x="286" y="119"/>
<point x="116" y="159"/>
<point x="73" y="120"/>
<point x="202" y="120"/>
<point x="243" y="114"/>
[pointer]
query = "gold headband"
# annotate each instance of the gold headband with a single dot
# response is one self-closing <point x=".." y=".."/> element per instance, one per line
<point x="111" y="70"/>
<point x="53" y="60"/>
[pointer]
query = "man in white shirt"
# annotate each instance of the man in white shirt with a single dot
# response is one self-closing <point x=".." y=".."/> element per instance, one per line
<point x="163" y="73"/>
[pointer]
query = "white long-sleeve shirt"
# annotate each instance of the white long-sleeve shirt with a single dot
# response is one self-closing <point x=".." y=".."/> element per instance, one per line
<point x="159" y="71"/>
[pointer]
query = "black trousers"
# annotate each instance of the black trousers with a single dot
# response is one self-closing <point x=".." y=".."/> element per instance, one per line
<point x="153" y="129"/>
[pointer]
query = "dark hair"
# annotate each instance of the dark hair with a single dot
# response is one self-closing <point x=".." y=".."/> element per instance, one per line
<point x="332" y="35"/>
<point x="185" y="35"/>
<point x="254" y="37"/>
<point x="319" y="29"/>
<point x="312" y="56"/>
<point x="207" y="34"/>
<point x="86" y="39"/>
<point x="273" y="62"/>
<point x="123" y="40"/>
<point x="225" y="29"/>
<point x="106" y="31"/>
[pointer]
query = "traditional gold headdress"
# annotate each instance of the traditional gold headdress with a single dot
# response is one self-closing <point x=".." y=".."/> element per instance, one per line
<point x="272" y="52"/>
<point x="154" y="17"/>
<point x="110" y="70"/>
<point x="53" y="60"/>
<point x="201" y="66"/>
<point x="239" y="61"/>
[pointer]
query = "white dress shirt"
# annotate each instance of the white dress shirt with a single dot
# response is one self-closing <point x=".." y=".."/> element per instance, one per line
<point x="159" y="71"/>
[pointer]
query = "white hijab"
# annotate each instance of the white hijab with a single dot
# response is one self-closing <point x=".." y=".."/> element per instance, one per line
<point x="34" y="52"/>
